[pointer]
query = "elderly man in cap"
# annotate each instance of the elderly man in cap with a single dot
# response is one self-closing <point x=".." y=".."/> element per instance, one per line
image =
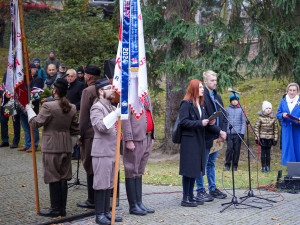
<point x="36" y="82"/>
<point x="103" y="118"/>
<point x="89" y="95"/>
<point x="52" y="60"/>
<point x="62" y="71"/>
<point x="138" y="138"/>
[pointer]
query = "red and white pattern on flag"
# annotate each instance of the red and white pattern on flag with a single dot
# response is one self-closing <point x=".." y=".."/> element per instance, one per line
<point x="15" y="84"/>
<point x="138" y="85"/>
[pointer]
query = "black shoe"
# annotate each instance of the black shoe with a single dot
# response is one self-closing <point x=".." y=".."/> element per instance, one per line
<point x="263" y="169"/>
<point x="102" y="219"/>
<point x="217" y="194"/>
<point x="86" y="204"/>
<point x="199" y="201"/>
<point x="186" y="202"/>
<point x="14" y="146"/>
<point x="117" y="218"/>
<point x="204" y="196"/>
<point x="50" y="212"/>
<point x="227" y="168"/>
<point x="4" y="144"/>
<point x="268" y="169"/>
<point x="234" y="168"/>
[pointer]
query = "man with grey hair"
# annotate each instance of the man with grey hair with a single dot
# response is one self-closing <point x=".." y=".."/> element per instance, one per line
<point x="75" y="88"/>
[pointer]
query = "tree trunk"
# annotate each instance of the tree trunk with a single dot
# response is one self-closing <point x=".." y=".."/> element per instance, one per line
<point x="173" y="98"/>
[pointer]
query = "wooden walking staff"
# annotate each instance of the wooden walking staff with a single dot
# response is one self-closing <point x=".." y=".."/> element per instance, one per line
<point x="114" y="200"/>
<point x="26" y="73"/>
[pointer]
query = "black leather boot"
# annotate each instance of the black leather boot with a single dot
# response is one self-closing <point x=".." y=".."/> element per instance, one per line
<point x="99" y="208"/>
<point x="55" y="200"/>
<point x="131" y="196"/>
<point x="107" y="207"/>
<point x="89" y="203"/>
<point x="138" y="186"/>
<point x="187" y="203"/>
<point x="64" y="196"/>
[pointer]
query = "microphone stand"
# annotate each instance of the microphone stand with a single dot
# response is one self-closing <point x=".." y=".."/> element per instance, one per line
<point x="76" y="181"/>
<point x="234" y="200"/>
<point x="250" y="192"/>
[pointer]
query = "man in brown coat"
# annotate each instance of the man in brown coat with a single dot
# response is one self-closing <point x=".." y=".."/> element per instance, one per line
<point x="88" y="98"/>
<point x="138" y="137"/>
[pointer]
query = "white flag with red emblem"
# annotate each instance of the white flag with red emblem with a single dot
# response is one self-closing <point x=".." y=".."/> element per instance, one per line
<point x="130" y="75"/>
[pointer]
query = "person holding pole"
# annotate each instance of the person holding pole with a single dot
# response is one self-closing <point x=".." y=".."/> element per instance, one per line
<point x="61" y="128"/>
<point x="104" y="118"/>
<point x="138" y="140"/>
<point x="89" y="95"/>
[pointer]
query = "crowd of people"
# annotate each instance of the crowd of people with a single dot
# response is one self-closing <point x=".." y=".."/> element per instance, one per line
<point x="81" y="113"/>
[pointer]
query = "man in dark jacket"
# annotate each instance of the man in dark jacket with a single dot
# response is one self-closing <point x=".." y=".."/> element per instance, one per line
<point x="41" y="72"/>
<point x="75" y="88"/>
<point x="89" y="95"/>
<point x="217" y="131"/>
<point x="52" y="60"/>
<point x="80" y="74"/>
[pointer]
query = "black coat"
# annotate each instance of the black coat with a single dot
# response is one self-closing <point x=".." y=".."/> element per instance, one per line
<point x="192" y="149"/>
<point x="213" y="132"/>
<point x="75" y="92"/>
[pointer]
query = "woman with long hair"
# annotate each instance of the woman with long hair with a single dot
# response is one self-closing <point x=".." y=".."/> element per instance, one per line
<point x="192" y="150"/>
<point x="60" y="131"/>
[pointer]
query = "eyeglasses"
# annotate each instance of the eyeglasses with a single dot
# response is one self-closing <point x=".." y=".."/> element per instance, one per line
<point x="108" y="88"/>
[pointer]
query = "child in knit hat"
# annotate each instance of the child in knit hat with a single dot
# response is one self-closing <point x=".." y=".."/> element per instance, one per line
<point x="236" y="118"/>
<point x="266" y="129"/>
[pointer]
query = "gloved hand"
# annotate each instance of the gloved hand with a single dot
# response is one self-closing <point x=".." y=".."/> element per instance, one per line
<point x="30" y="112"/>
<point x="274" y="143"/>
<point x="256" y="141"/>
<point x="111" y="118"/>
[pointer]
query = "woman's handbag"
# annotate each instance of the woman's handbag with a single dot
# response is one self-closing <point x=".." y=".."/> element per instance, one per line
<point x="176" y="133"/>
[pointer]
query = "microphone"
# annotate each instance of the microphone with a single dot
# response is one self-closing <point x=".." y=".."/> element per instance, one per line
<point x="233" y="91"/>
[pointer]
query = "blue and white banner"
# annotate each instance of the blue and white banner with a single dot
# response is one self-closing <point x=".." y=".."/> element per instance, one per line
<point x="131" y="74"/>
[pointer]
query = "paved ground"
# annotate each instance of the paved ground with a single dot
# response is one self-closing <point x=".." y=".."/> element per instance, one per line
<point x="17" y="201"/>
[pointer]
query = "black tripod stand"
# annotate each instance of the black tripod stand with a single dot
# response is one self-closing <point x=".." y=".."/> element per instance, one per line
<point x="76" y="181"/>
<point x="250" y="192"/>
<point x="234" y="200"/>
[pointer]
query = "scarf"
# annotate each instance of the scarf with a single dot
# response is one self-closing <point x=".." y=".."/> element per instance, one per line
<point x="291" y="102"/>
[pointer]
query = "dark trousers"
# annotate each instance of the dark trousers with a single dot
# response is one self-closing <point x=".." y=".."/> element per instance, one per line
<point x="4" y="128"/>
<point x="188" y="185"/>
<point x="265" y="156"/>
<point x="233" y="144"/>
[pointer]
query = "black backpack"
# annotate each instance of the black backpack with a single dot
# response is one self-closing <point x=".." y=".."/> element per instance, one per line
<point x="176" y="133"/>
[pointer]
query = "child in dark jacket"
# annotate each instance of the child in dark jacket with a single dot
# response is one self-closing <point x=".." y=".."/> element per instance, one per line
<point x="266" y="129"/>
<point x="236" y="118"/>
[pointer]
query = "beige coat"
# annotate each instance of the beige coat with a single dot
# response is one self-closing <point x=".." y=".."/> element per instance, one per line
<point x="266" y="126"/>
<point x="105" y="140"/>
<point x="104" y="147"/>
<point x="57" y="127"/>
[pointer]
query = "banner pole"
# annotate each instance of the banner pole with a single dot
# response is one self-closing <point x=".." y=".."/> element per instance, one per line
<point x="26" y="73"/>
<point x="114" y="200"/>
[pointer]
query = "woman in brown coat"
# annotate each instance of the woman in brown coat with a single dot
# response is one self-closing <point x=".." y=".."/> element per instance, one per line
<point x="60" y="131"/>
